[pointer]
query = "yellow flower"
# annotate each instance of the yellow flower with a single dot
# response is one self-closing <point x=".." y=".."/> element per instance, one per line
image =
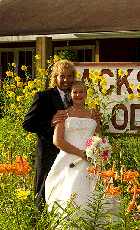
<point x="91" y="70"/>
<point x="17" y="78"/>
<point x="101" y="78"/>
<point x="30" y="135"/>
<point x="138" y="95"/>
<point x="9" y="73"/>
<point x="126" y="73"/>
<point x="104" y="90"/>
<point x="28" y="95"/>
<point x="26" y="87"/>
<point x="24" y="67"/>
<point x="19" y="109"/>
<point x="87" y="100"/>
<point x="97" y="101"/>
<point x="42" y="72"/>
<point x="38" y="89"/>
<point x="25" y="90"/>
<point x="22" y="194"/>
<point x="14" y="64"/>
<point x="33" y="92"/>
<point x="38" y="82"/>
<point x="96" y="80"/>
<point x="138" y="87"/>
<point x="78" y="74"/>
<point x="103" y="82"/>
<point x="131" y="96"/>
<point x="49" y="61"/>
<point x="131" y="85"/>
<point x="97" y="73"/>
<point x="121" y="72"/>
<point x="13" y="86"/>
<point x="7" y="87"/>
<point x="91" y="104"/>
<point x="13" y="106"/>
<point x="12" y="94"/>
<point x="19" y="98"/>
<point x="30" y="84"/>
<point x="19" y="84"/>
<point x="91" y="76"/>
<point x="56" y="58"/>
<point x="38" y="57"/>
<point x="90" y="92"/>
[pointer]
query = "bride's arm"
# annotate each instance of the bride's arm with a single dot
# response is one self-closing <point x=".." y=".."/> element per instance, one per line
<point x="96" y="116"/>
<point x="59" y="142"/>
<point x="97" y="130"/>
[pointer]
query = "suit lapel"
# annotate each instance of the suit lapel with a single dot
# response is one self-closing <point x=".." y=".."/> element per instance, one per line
<point x="56" y="98"/>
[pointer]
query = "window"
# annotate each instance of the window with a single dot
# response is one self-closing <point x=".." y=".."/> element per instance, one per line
<point x="19" y="56"/>
<point x="6" y="57"/>
<point x="85" y="53"/>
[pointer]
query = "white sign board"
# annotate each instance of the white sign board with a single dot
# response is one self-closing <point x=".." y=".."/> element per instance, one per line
<point x="128" y="116"/>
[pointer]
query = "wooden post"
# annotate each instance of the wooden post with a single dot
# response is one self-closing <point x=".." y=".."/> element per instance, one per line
<point x="97" y="51"/>
<point x="44" y="49"/>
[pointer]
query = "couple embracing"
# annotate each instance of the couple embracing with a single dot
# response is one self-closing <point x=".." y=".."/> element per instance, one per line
<point x="63" y="125"/>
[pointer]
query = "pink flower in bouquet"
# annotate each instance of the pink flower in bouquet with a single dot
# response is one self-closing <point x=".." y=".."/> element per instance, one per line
<point x="89" y="142"/>
<point x="103" y="140"/>
<point x="105" y="154"/>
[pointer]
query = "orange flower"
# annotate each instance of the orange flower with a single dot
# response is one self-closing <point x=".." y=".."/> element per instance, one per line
<point x="93" y="170"/>
<point x="133" y="200"/>
<point x="90" y="170"/>
<point x="130" y="175"/>
<point x="114" y="190"/>
<point x="3" y="169"/>
<point x="115" y="148"/>
<point x="109" y="173"/>
<point x="20" y="167"/>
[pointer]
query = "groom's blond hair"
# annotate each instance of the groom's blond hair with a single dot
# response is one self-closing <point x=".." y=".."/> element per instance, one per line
<point x="60" y="66"/>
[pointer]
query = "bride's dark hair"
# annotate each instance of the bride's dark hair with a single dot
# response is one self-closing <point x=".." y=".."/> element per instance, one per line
<point x="78" y="84"/>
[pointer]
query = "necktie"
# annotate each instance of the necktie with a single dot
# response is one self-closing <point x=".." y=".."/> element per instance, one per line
<point x="66" y="101"/>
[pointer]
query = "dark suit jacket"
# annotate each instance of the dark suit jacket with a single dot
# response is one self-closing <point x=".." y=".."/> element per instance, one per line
<point x="38" y="120"/>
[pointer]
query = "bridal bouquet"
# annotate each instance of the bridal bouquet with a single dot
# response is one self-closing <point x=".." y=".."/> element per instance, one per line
<point x="98" y="151"/>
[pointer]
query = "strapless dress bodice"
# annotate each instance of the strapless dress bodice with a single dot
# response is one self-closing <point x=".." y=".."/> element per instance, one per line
<point x="79" y="130"/>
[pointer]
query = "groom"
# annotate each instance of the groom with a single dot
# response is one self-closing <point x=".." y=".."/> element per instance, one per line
<point x="42" y="117"/>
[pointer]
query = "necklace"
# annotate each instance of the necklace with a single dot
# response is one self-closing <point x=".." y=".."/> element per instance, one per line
<point x="78" y="110"/>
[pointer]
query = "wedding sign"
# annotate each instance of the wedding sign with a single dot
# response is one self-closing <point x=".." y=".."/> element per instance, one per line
<point x="126" y="85"/>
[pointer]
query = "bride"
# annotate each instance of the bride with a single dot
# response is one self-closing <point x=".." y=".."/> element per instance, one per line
<point x="70" y="137"/>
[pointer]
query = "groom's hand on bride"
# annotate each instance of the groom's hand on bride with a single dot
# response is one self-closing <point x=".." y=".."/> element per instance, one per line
<point x="58" y="117"/>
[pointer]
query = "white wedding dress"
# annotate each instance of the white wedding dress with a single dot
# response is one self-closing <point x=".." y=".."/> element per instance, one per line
<point x="63" y="181"/>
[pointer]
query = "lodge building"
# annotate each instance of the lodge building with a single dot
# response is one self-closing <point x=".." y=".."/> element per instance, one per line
<point x="95" y="47"/>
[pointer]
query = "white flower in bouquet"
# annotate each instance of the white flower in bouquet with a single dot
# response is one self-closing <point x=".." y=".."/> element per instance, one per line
<point x="89" y="152"/>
